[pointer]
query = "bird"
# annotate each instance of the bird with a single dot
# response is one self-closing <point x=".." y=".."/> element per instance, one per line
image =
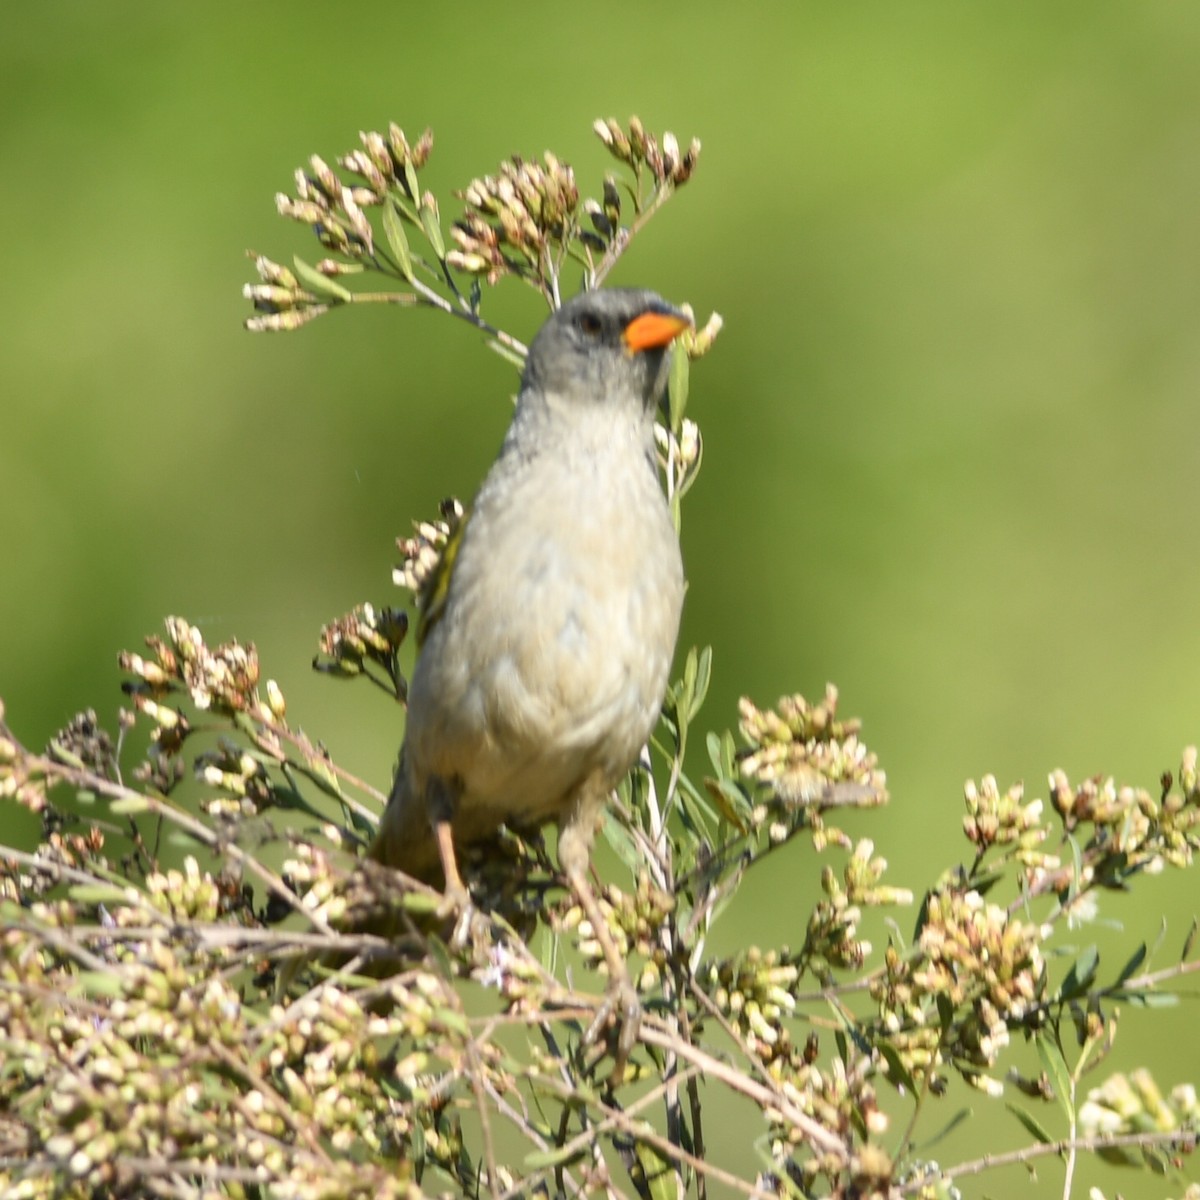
<point x="546" y="633"/>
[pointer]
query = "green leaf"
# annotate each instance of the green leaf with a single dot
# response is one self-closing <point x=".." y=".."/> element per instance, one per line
<point x="1135" y="961"/>
<point x="556" y="1157"/>
<point x="703" y="677"/>
<point x="722" y="751"/>
<point x="433" y="231"/>
<point x="313" y="278"/>
<point x="663" y="1183"/>
<point x="963" y="1114"/>
<point x="130" y="805"/>
<point x="441" y="957"/>
<point x="620" y="839"/>
<point x="100" y="893"/>
<point x="397" y="238"/>
<point x="764" y="1152"/>
<point x="682" y="696"/>
<point x="417" y="1144"/>
<point x="1081" y="975"/>
<point x="61" y="754"/>
<point x="410" y="178"/>
<point x="730" y="802"/>
<point x="897" y="1073"/>
<point x="677" y="389"/>
<point x="100" y="983"/>
<point x="1031" y="1123"/>
<point x="713" y="743"/>
<point x="1188" y="942"/>
<point x="1146" y="999"/>
<point x="945" y="1010"/>
<point x="698" y="814"/>
<point x="1162" y="937"/>
<point x="1057" y="1072"/>
<point x="323" y="775"/>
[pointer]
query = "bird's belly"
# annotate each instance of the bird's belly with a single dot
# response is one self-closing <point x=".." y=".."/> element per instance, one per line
<point x="557" y="678"/>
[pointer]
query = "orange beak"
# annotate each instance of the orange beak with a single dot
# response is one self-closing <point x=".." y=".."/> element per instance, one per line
<point x="654" y="329"/>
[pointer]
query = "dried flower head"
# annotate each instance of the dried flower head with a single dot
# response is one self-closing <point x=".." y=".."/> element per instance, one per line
<point x="804" y="755"/>
<point x="422" y="552"/>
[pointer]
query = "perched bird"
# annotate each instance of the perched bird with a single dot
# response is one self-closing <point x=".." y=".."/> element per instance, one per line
<point x="547" y="632"/>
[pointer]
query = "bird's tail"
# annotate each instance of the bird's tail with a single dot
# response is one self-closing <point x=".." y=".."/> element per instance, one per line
<point x="404" y="839"/>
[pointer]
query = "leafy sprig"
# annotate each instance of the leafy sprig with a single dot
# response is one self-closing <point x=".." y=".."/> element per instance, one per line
<point x="526" y="221"/>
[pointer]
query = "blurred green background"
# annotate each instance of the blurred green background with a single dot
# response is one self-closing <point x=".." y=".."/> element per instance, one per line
<point x="951" y="426"/>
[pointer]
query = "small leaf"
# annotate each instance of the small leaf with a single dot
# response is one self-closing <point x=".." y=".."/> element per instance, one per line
<point x="963" y="1114"/>
<point x="945" y="1009"/>
<point x="1056" y="1071"/>
<point x="441" y="957"/>
<point x="100" y="983"/>
<point x="1082" y="973"/>
<point x="712" y="743"/>
<point x="397" y="239"/>
<point x="417" y="1145"/>
<point x="620" y="839"/>
<point x="683" y="694"/>
<point x="410" y="180"/>
<point x="1188" y="942"/>
<point x="1145" y="999"/>
<point x="897" y="1073"/>
<point x="730" y="802"/>
<point x="556" y="1157"/>
<point x="696" y="811"/>
<point x="601" y="224"/>
<point x="128" y="806"/>
<point x="313" y="278"/>
<point x="1031" y="1123"/>
<point x="661" y="1178"/>
<point x="1135" y="961"/>
<point x="68" y="758"/>
<point x="1162" y="937"/>
<point x="433" y="231"/>
<point x="702" y="680"/>
<point x="453" y="1021"/>
<point x="678" y="389"/>
<point x="100" y="893"/>
<point x="724" y="749"/>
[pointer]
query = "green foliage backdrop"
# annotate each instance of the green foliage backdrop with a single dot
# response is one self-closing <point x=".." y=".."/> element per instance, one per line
<point x="950" y="429"/>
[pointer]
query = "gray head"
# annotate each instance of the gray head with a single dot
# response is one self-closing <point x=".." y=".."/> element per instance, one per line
<point x="608" y="344"/>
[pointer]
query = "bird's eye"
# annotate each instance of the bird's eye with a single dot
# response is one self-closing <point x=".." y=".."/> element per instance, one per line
<point x="589" y="323"/>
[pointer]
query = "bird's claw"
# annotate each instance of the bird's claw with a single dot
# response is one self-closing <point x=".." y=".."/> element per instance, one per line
<point x="455" y="901"/>
<point x="456" y="908"/>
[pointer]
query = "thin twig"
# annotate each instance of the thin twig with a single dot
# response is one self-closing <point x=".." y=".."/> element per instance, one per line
<point x="653" y="1034"/>
<point x="156" y="806"/>
<point x="643" y="1133"/>
<point x="1182" y="1139"/>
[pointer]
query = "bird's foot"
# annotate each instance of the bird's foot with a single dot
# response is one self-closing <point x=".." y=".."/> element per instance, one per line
<point x="457" y="909"/>
<point x="455" y="901"/>
<point x="622" y="1004"/>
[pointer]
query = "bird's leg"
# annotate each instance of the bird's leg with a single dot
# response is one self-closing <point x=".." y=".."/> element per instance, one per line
<point x="441" y="799"/>
<point x="574" y="855"/>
